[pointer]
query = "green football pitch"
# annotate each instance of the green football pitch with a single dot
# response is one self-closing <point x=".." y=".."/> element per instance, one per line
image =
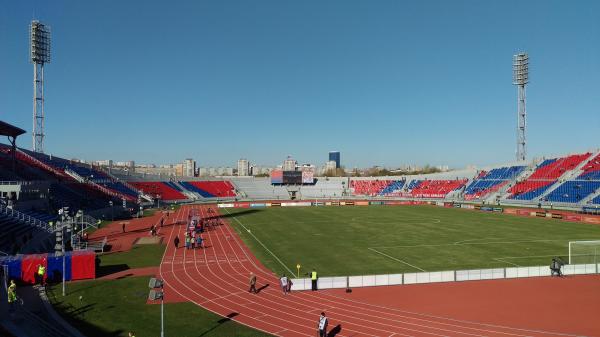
<point x="359" y="240"/>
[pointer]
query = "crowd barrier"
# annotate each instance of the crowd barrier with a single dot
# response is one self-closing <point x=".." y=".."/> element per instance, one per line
<point x="340" y="282"/>
<point x="78" y="266"/>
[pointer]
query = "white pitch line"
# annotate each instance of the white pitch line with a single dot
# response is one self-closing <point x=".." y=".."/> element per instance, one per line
<point x="393" y="258"/>
<point x="526" y="257"/>
<point x="500" y="260"/>
<point x="257" y="240"/>
<point x="477" y="243"/>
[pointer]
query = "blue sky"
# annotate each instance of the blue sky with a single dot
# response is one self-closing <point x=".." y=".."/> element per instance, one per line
<point x="384" y="82"/>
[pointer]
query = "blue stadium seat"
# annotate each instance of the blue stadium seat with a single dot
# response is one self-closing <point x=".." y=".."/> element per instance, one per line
<point x="573" y="191"/>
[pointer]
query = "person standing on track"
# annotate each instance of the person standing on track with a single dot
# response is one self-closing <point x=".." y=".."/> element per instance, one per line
<point x="322" y="326"/>
<point x="199" y="241"/>
<point x="176" y="241"/>
<point x="283" y="281"/>
<point x="123" y="226"/>
<point x="252" y="284"/>
<point x="313" y="280"/>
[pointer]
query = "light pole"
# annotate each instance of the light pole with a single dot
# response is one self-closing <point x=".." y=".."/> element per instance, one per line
<point x="157" y="293"/>
<point x="520" y="79"/>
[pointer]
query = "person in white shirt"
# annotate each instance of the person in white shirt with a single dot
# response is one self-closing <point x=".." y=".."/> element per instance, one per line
<point x="322" y="325"/>
<point x="283" y="281"/>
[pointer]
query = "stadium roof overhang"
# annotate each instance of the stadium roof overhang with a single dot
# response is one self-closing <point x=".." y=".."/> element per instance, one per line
<point x="10" y="130"/>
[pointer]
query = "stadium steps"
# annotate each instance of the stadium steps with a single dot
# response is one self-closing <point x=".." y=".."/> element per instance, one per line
<point x="189" y="194"/>
<point x="503" y="192"/>
<point x="587" y="200"/>
<point x="75" y="176"/>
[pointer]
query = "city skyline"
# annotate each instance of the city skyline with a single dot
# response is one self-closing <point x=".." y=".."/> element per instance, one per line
<point x="384" y="83"/>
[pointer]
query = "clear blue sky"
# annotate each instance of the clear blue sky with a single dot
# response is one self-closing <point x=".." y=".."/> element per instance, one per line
<point x="384" y="82"/>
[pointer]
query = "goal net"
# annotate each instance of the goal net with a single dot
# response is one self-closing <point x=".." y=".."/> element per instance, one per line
<point x="584" y="252"/>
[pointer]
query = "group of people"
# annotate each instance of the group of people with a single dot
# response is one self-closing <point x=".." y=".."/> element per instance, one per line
<point x="286" y="286"/>
<point x="193" y="234"/>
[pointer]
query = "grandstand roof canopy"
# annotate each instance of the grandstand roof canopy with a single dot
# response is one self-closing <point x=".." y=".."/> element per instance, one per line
<point x="10" y="130"/>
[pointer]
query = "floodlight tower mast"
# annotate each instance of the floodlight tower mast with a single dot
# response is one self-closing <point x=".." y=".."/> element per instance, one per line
<point x="520" y="79"/>
<point x="39" y="47"/>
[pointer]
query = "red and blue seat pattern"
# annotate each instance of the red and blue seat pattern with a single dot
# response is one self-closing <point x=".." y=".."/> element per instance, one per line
<point x="159" y="188"/>
<point x="488" y="182"/>
<point x="545" y="175"/>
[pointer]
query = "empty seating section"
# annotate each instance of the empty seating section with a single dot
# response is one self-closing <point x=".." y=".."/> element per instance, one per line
<point x="488" y="182"/>
<point x="154" y="188"/>
<point x="553" y="169"/>
<point x="591" y="170"/>
<point x="260" y="188"/>
<point x="545" y="175"/>
<point x="479" y="188"/>
<point x="413" y="184"/>
<point x="195" y="189"/>
<point x="77" y="196"/>
<point x="120" y="187"/>
<point x="436" y="188"/>
<point x="210" y="188"/>
<point x="394" y="188"/>
<point x="173" y="186"/>
<point x="596" y="200"/>
<point x="369" y="187"/>
<point x="573" y="191"/>
<point x="89" y="173"/>
<point x="14" y="234"/>
<point x="324" y="188"/>
<point x="53" y="161"/>
<point x="529" y="189"/>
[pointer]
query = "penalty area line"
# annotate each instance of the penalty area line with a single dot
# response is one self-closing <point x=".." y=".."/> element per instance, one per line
<point x="260" y="242"/>
<point x="393" y="258"/>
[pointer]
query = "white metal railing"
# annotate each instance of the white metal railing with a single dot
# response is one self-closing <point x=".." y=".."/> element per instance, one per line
<point x="440" y="276"/>
<point x="25" y="218"/>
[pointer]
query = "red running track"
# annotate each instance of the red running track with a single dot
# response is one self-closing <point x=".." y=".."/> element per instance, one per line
<point x="216" y="278"/>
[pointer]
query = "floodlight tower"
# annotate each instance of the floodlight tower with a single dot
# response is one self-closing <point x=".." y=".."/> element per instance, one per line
<point x="39" y="46"/>
<point x="520" y="79"/>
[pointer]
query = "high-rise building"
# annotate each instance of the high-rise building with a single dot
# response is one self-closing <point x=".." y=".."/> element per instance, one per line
<point x="189" y="167"/>
<point x="289" y="164"/>
<point x="335" y="156"/>
<point x="330" y="167"/>
<point x="243" y="167"/>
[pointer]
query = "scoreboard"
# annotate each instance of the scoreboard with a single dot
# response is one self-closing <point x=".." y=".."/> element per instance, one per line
<point x="291" y="177"/>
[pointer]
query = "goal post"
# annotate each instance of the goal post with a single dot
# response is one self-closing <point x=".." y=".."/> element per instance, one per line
<point x="584" y="252"/>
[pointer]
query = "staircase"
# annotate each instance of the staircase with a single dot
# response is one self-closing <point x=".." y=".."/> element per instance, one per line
<point x="502" y="192"/>
<point x="587" y="199"/>
<point x="75" y="176"/>
<point x="569" y="175"/>
<point x="191" y="195"/>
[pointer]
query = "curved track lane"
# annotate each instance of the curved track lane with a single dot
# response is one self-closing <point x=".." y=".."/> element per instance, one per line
<point x="216" y="278"/>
